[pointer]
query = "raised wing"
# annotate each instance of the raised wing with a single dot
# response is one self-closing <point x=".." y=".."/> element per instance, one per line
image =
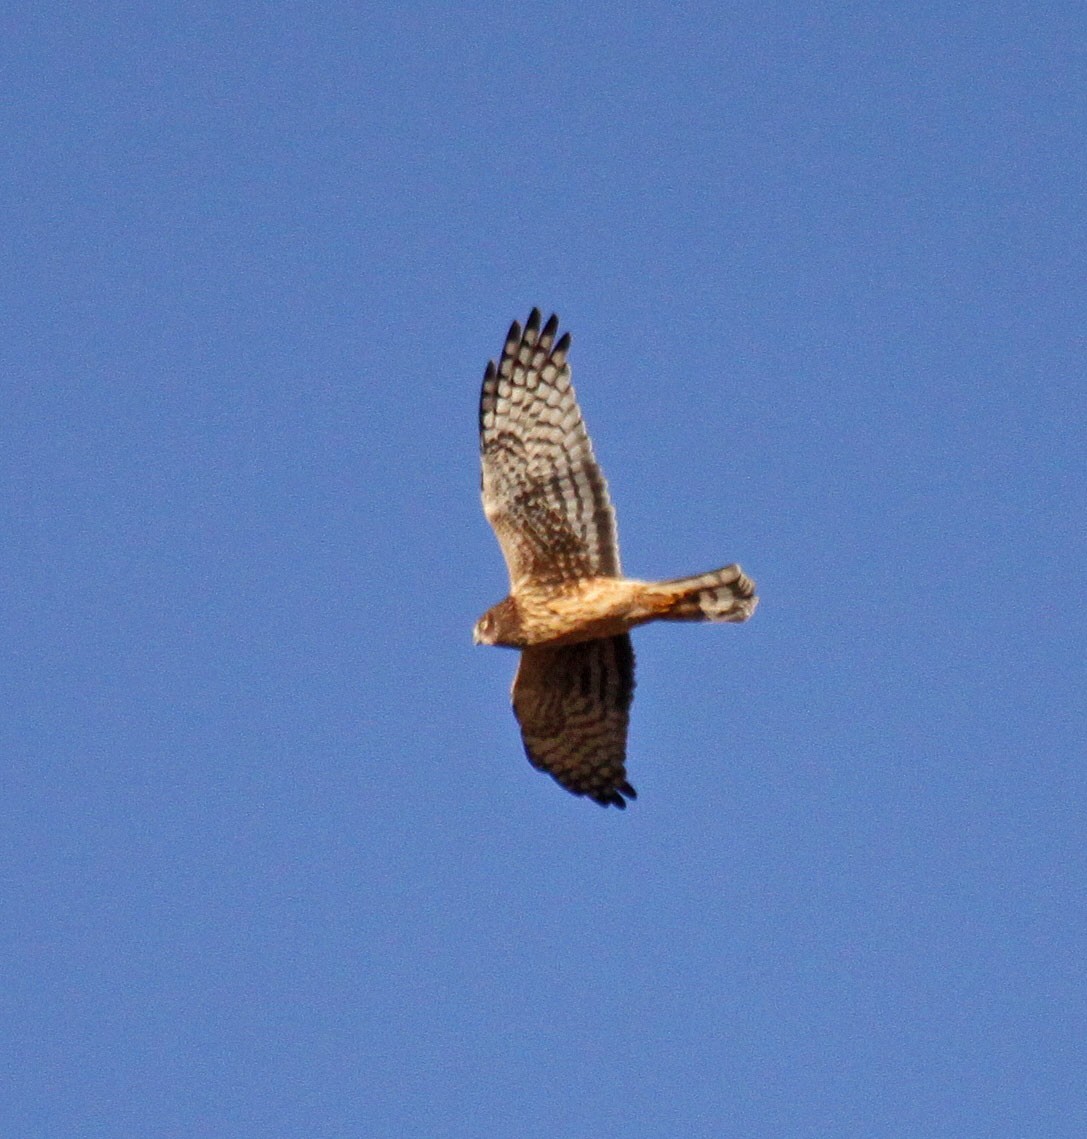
<point x="573" y="705"/>
<point x="543" y="491"/>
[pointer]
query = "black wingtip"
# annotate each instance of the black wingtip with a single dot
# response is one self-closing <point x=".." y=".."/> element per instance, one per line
<point x="533" y="324"/>
<point x="615" y="797"/>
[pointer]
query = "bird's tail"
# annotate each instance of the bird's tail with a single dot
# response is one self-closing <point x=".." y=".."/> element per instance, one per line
<point x="721" y="595"/>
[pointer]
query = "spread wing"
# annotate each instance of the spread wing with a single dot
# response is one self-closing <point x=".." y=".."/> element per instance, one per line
<point x="543" y="491"/>
<point x="573" y="705"/>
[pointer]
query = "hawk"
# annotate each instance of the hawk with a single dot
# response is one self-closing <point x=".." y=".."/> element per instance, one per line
<point x="570" y="609"/>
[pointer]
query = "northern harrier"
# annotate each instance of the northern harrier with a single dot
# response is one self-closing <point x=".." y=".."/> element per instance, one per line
<point x="569" y="608"/>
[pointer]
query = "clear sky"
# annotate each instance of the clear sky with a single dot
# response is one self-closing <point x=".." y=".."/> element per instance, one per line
<point x="274" y="864"/>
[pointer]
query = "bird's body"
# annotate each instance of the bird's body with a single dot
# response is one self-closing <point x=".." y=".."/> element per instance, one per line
<point x="574" y="611"/>
<point x="570" y="609"/>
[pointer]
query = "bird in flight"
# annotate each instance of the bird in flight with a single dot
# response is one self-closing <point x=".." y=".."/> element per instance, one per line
<point x="570" y="610"/>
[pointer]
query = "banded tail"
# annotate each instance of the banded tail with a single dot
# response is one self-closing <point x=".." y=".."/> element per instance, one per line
<point x="721" y="595"/>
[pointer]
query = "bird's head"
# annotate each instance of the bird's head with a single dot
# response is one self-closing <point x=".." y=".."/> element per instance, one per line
<point x="484" y="632"/>
<point x="500" y="625"/>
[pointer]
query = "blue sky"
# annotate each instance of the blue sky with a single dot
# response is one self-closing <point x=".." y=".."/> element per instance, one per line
<point x="273" y="863"/>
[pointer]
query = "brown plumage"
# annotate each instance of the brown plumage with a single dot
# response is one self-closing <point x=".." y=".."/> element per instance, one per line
<point x="570" y="609"/>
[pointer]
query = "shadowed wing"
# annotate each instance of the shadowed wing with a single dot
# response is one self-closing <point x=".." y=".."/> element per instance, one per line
<point x="543" y="491"/>
<point x="573" y="705"/>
